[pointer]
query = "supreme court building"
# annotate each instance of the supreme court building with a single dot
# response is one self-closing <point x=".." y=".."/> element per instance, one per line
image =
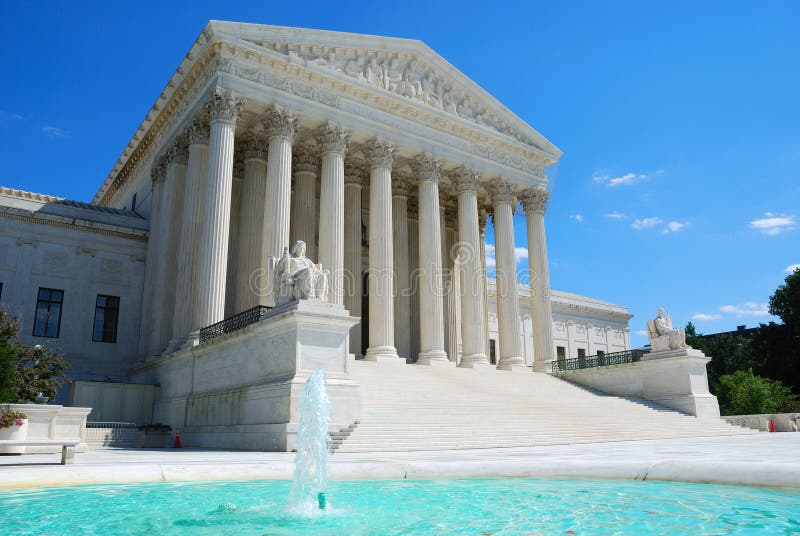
<point x="376" y="152"/>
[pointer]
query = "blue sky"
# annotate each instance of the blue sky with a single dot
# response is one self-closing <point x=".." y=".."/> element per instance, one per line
<point x="679" y="123"/>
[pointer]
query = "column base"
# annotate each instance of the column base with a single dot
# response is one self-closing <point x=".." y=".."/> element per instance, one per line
<point x="475" y="361"/>
<point x="516" y="364"/>
<point x="542" y="366"/>
<point x="433" y="358"/>
<point x="192" y="340"/>
<point x="383" y="354"/>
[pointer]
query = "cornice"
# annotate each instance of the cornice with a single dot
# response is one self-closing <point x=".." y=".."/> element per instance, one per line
<point x="62" y="222"/>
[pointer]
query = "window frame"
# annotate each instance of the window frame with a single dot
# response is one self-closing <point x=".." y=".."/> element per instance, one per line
<point x="50" y="303"/>
<point x="104" y="308"/>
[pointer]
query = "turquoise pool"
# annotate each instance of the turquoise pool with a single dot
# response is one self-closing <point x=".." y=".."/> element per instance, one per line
<point x="475" y="506"/>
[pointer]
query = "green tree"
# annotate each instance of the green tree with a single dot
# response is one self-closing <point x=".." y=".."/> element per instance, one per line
<point x="26" y="371"/>
<point x="728" y="354"/>
<point x="779" y="344"/>
<point x="744" y="393"/>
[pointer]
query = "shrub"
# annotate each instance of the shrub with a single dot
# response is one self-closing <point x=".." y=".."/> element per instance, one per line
<point x="744" y="393"/>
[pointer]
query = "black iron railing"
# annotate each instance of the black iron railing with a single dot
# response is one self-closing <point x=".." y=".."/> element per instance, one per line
<point x="614" y="358"/>
<point x="234" y="323"/>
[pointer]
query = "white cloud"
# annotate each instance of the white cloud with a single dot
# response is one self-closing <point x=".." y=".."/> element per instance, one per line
<point x="746" y="309"/>
<point x="791" y="268"/>
<point x="642" y="332"/>
<point x="702" y="317"/>
<point x="55" y="132"/>
<point x="773" y="224"/>
<point x="626" y="179"/>
<point x="491" y="261"/>
<point x="577" y="217"/>
<point x="646" y="222"/>
<point x="491" y="258"/>
<point x="674" y="227"/>
<point x="615" y="215"/>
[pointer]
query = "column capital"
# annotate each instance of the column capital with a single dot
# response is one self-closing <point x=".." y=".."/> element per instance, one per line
<point x="428" y="167"/>
<point x="224" y="107"/>
<point x="178" y="152"/>
<point x="354" y="172"/>
<point x="306" y="160"/>
<point x="466" y="179"/>
<point x="332" y="138"/>
<point x="255" y="145"/>
<point x="379" y="152"/>
<point x="198" y="131"/>
<point x="401" y="184"/>
<point x="503" y="192"/>
<point x="280" y="122"/>
<point x="534" y="200"/>
<point x="412" y="208"/>
<point x="158" y="170"/>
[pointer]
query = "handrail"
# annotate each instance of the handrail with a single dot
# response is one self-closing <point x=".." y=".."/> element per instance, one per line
<point x="232" y="324"/>
<point x="613" y="358"/>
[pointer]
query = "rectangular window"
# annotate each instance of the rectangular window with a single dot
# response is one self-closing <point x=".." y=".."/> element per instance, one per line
<point x="492" y="356"/>
<point x="600" y="353"/>
<point x="47" y="322"/>
<point x="106" y="314"/>
<point x="581" y="353"/>
<point x="561" y="353"/>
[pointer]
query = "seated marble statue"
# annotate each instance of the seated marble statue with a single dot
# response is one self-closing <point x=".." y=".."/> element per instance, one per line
<point x="298" y="278"/>
<point x="662" y="335"/>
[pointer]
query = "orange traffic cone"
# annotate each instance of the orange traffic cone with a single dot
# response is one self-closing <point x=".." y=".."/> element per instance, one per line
<point x="771" y="426"/>
<point x="178" y="438"/>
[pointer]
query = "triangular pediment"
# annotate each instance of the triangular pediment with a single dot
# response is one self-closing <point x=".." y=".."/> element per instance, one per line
<point x="403" y="67"/>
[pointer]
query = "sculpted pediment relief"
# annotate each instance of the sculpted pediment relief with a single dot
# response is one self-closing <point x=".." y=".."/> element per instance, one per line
<point x="402" y="73"/>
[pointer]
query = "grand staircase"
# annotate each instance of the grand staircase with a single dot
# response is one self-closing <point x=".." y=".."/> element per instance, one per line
<point x="412" y="407"/>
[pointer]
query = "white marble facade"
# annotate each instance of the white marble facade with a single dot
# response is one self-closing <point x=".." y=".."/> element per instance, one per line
<point x="381" y="156"/>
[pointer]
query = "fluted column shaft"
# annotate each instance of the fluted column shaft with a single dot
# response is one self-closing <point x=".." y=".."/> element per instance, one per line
<point x="250" y="255"/>
<point x="402" y="302"/>
<point x="431" y="307"/>
<point x="445" y="281"/>
<point x="381" y="262"/>
<point x="507" y="296"/>
<point x="234" y="245"/>
<point x="152" y="266"/>
<point x="281" y="127"/>
<point x="304" y="200"/>
<point x="473" y="314"/>
<point x="169" y="227"/>
<point x="482" y="219"/>
<point x="189" y="229"/>
<point x="332" y="140"/>
<point x="535" y="202"/>
<point x="352" y="253"/>
<point x="215" y="229"/>
<point x="413" y="263"/>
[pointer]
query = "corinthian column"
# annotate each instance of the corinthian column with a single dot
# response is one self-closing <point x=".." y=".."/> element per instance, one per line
<point x="402" y="302"/>
<point x="158" y="173"/>
<point x="250" y="255"/>
<point x="380" y="154"/>
<point x="176" y="159"/>
<point x="332" y="139"/>
<point x="281" y="126"/>
<point x="428" y="169"/>
<point x="413" y="265"/>
<point x="535" y="202"/>
<point x="304" y="199"/>
<point x="483" y="217"/>
<point x="215" y="224"/>
<point x="473" y="314"/>
<point x="353" y="178"/>
<point x="507" y="295"/>
<point x="197" y="135"/>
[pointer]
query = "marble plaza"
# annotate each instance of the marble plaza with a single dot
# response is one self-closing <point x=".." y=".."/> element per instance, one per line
<point x="300" y="199"/>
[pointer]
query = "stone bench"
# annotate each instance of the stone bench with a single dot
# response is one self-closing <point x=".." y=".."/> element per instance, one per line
<point x="67" y="446"/>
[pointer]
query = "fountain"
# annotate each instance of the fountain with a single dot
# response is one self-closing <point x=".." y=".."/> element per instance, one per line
<point x="311" y="460"/>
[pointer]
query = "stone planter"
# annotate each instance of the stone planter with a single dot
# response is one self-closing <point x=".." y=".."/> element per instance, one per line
<point x="15" y="433"/>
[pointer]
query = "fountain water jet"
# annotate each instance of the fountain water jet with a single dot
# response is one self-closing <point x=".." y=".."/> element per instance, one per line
<point x="313" y="440"/>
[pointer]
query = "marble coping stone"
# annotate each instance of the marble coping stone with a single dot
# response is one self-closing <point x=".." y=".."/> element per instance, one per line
<point x="753" y="460"/>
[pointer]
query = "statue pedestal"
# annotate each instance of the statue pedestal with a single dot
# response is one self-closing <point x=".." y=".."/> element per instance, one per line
<point x="243" y="390"/>
<point x="676" y="379"/>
